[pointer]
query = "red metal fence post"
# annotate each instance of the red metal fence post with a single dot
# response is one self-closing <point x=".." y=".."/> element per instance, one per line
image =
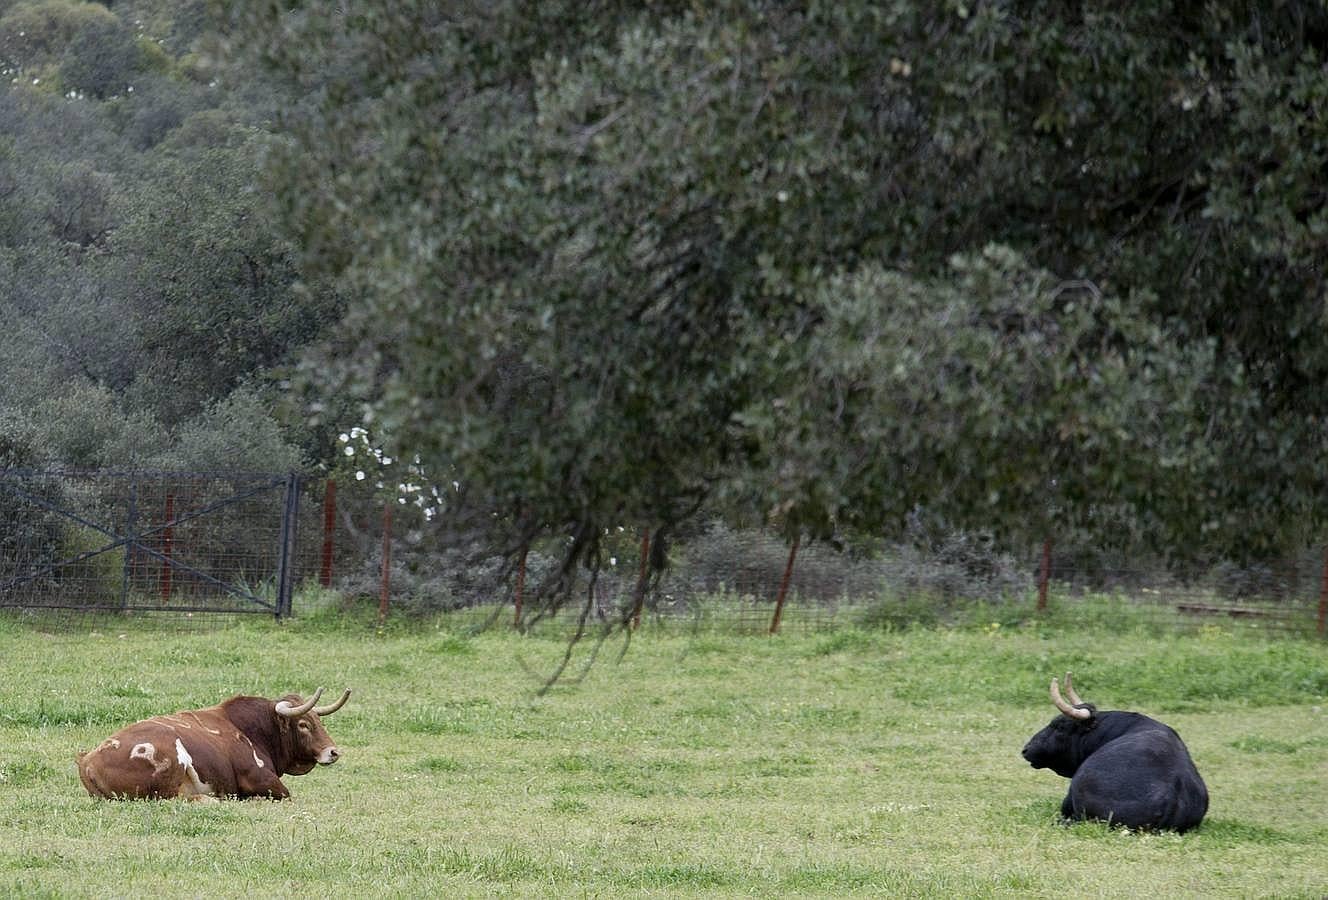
<point x="520" y="587"/>
<point x="641" y="579"/>
<point x="1323" y="596"/>
<point x="1044" y="575"/>
<point x="329" y="532"/>
<point x="167" y="540"/>
<point x="387" y="562"/>
<point x="783" y="586"/>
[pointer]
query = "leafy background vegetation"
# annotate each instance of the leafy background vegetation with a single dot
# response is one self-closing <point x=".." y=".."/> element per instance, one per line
<point x="858" y="763"/>
<point x="146" y="293"/>
<point x="1016" y="268"/>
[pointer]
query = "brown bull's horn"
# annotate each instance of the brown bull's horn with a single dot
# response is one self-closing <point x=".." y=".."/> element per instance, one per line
<point x="1064" y="707"/>
<point x="329" y="710"/>
<point x="284" y="707"/>
<point x="1070" y="693"/>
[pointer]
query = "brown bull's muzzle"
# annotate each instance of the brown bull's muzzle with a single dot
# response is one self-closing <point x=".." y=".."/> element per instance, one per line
<point x="329" y="756"/>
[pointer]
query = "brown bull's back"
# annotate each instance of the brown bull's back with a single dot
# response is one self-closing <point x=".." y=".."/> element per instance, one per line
<point x="146" y="759"/>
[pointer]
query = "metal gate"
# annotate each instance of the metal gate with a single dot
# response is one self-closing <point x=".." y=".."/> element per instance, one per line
<point x="150" y="541"/>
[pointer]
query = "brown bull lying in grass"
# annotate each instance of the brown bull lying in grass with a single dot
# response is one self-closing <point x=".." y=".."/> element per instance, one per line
<point x="238" y="748"/>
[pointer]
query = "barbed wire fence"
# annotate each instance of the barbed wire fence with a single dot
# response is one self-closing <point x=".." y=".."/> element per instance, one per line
<point x="215" y="547"/>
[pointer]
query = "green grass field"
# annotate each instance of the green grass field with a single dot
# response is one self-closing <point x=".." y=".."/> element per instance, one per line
<point x="849" y="763"/>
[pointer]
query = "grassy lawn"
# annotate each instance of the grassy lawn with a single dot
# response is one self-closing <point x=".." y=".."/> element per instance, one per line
<point x="850" y="763"/>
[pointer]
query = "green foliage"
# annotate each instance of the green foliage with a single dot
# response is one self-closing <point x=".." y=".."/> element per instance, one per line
<point x="99" y="574"/>
<point x="237" y="434"/>
<point x="826" y="266"/>
<point x="30" y="539"/>
<point x="101" y="59"/>
<point x="141" y="281"/>
<point x="83" y="426"/>
<point x="33" y="32"/>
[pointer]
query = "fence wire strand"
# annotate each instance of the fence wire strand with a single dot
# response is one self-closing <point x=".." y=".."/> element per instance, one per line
<point x="210" y="546"/>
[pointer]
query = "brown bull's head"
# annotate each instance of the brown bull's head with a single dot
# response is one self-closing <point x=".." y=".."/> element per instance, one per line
<point x="306" y="741"/>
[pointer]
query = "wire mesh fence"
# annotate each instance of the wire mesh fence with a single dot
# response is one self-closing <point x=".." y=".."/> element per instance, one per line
<point x="143" y="542"/>
<point x="391" y="557"/>
<point x="227" y="545"/>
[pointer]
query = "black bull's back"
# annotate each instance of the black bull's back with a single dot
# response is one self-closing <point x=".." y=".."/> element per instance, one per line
<point x="1142" y="779"/>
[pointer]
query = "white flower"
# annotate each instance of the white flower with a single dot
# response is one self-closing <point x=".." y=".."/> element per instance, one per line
<point x="359" y="476"/>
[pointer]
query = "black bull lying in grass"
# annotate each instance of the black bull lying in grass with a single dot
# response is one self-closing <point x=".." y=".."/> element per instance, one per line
<point x="238" y="748"/>
<point x="1124" y="767"/>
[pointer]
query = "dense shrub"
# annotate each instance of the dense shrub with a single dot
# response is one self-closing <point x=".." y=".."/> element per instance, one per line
<point x="84" y="427"/>
<point x="29" y="534"/>
<point x="749" y="561"/>
<point x="959" y="564"/>
<point x="101" y="59"/>
<point x="237" y="434"/>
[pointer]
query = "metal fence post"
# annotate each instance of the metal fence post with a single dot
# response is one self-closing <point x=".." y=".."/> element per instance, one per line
<point x="131" y="523"/>
<point x="1044" y="576"/>
<point x="286" y="559"/>
<point x="329" y="532"/>
<point x="386" y="588"/>
<point x="517" y="597"/>
<point x="641" y="579"/>
<point x="1323" y="596"/>
<point x="167" y="548"/>
<point x="783" y="586"/>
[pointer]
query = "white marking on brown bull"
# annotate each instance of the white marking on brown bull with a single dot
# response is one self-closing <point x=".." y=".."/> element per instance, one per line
<point x="148" y="753"/>
<point x="201" y="723"/>
<point x="252" y="749"/>
<point x="196" y="786"/>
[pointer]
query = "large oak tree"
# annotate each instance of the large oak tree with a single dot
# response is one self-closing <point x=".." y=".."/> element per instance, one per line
<point x="1018" y="264"/>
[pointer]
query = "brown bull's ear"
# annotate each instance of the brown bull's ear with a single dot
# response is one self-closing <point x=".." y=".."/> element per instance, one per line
<point x="290" y="711"/>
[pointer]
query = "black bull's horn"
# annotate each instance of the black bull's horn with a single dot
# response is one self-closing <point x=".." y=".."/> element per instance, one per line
<point x="1069" y="708"/>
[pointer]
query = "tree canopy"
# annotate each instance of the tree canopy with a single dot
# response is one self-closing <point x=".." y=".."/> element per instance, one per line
<point x="1017" y="265"/>
<point x="147" y="293"/>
